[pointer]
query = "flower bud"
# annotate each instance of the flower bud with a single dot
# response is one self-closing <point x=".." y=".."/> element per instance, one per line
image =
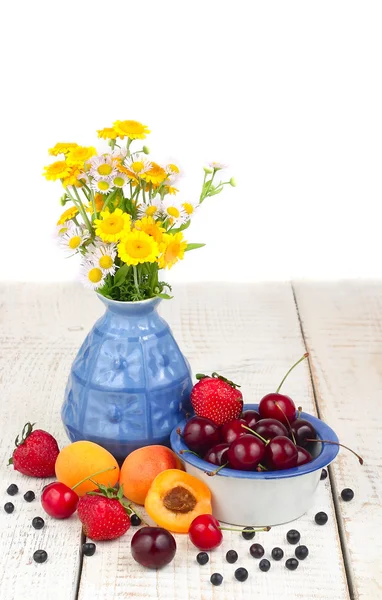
<point x="232" y="182"/>
<point x="63" y="200"/>
<point x="207" y="170"/>
<point x="146" y="150"/>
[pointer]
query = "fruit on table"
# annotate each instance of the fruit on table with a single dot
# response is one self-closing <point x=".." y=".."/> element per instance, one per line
<point x="153" y="547"/>
<point x="324" y="474"/>
<point x="229" y="432"/>
<point x="135" y="520"/>
<point x="291" y="564"/>
<point x="200" y="434"/>
<point x="202" y="558"/>
<point x="303" y="456"/>
<point x="251" y="417"/>
<point x="35" y="453"/>
<point x="142" y="466"/>
<point x="80" y="460"/>
<point x="175" y="498"/>
<point x="248" y="533"/>
<point x="88" y="549"/>
<point x="12" y="489"/>
<point x="269" y="428"/>
<point x="246" y="453"/>
<point x="103" y="514"/>
<point x="241" y="574"/>
<point x="29" y="496"/>
<point x="256" y="550"/>
<point x="231" y="556"/>
<point x="293" y="536"/>
<point x="40" y="556"/>
<point x="347" y="494"/>
<point x="205" y="533"/>
<point x="321" y="518"/>
<point x="58" y="500"/>
<point x="302" y="430"/>
<point x="280" y="454"/>
<point x="9" y="507"/>
<point x="216" y="579"/>
<point x="38" y="523"/>
<point x="301" y="552"/>
<point x="277" y="553"/>
<point x="264" y="565"/>
<point x="216" y="398"/>
<point x="217" y="455"/>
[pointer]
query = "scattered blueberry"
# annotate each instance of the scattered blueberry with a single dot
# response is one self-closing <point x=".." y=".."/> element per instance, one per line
<point x="301" y="552"/>
<point x="277" y="553"/>
<point x="40" y="556"/>
<point x="88" y="549"/>
<point x="38" y="523"/>
<point x="321" y="518"/>
<point x="202" y="558"/>
<point x="291" y="564"/>
<point x="264" y="565"/>
<point x="29" y="496"/>
<point x="231" y="556"/>
<point x="12" y="490"/>
<point x="347" y="494"/>
<point x="256" y="550"/>
<point x="293" y="536"/>
<point x="135" y="520"/>
<point x="216" y="579"/>
<point x="324" y="474"/>
<point x="248" y="533"/>
<point x="9" y="507"/>
<point x="241" y="574"/>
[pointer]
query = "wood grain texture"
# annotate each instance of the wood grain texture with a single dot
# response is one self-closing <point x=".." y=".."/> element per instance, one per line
<point x="342" y="324"/>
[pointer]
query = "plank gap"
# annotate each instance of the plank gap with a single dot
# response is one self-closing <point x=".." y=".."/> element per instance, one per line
<point x="81" y="562"/>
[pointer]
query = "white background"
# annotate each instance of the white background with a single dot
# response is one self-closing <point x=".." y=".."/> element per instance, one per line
<point x="288" y="93"/>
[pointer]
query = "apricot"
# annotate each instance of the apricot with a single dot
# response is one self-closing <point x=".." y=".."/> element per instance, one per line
<point x="175" y="498"/>
<point x="142" y="466"/>
<point x="82" y="459"/>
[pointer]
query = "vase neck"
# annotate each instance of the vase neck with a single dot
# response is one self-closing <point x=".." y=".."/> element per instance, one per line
<point x="143" y="307"/>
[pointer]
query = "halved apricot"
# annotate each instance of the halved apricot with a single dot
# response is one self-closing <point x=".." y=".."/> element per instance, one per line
<point x="175" y="498"/>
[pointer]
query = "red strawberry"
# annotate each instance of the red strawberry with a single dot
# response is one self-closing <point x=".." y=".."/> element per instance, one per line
<point x="216" y="398"/>
<point x="35" y="455"/>
<point x="103" y="514"/>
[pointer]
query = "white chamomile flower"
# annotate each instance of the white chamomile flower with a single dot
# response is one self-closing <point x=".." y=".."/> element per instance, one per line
<point x="174" y="213"/>
<point x="72" y="239"/>
<point x="137" y="164"/>
<point x="101" y="166"/>
<point x="103" y="185"/>
<point x="119" y="153"/>
<point x="103" y="256"/>
<point x="155" y="209"/>
<point x="84" y="177"/>
<point x="118" y="180"/>
<point x="188" y="209"/>
<point x="91" y="276"/>
<point x="217" y="166"/>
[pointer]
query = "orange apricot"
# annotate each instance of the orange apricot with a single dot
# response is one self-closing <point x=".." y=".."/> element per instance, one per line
<point x="142" y="466"/>
<point x="82" y="459"/>
<point x="175" y="498"/>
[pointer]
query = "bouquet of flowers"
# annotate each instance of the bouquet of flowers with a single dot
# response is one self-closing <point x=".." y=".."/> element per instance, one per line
<point x="122" y="216"/>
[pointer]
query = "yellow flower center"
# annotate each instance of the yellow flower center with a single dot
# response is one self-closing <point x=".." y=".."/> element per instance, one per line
<point x="188" y="208"/>
<point x="119" y="181"/>
<point x="112" y="224"/>
<point x="95" y="275"/>
<point x="74" y="242"/>
<point x="104" y="169"/>
<point x="105" y="262"/>
<point x="151" y="210"/>
<point x="137" y="166"/>
<point x="173" y="212"/>
<point x="138" y="248"/>
<point x="103" y="185"/>
<point x="172" y="251"/>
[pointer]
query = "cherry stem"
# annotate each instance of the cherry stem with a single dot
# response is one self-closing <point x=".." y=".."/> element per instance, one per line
<point x="212" y="473"/>
<point x="338" y="444"/>
<point x="261" y="467"/>
<point x="178" y="431"/>
<point x="299" y="411"/>
<point x="291" y="369"/>
<point x="256" y="434"/>
<point x="288" y="422"/>
<point x="93" y="475"/>
<point x="189" y="452"/>
<point x="244" y="529"/>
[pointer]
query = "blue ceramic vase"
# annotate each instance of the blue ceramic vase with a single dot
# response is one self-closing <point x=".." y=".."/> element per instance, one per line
<point x="129" y="384"/>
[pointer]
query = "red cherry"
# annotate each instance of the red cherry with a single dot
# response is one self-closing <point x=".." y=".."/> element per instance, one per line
<point x="269" y="428"/>
<point x="280" y="454"/>
<point x="217" y="455"/>
<point x="302" y="431"/>
<point x="251" y="417"/>
<point x="204" y="532"/>
<point x="229" y="432"/>
<point x="279" y="407"/>
<point x="246" y="453"/>
<point x="303" y="456"/>
<point x="59" y="500"/>
<point x="200" y="434"/>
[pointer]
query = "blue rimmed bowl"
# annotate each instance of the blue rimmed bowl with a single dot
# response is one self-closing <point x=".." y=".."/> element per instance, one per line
<point x="262" y="498"/>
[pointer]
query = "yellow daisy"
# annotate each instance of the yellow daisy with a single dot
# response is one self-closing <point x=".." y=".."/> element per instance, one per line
<point x="68" y="214"/>
<point x="155" y="174"/>
<point x="112" y="226"/>
<point x="189" y="208"/>
<point x="99" y="201"/>
<point x="172" y="249"/>
<point x="57" y="170"/>
<point x="171" y="168"/>
<point x="62" y="148"/>
<point x="108" y="133"/>
<point x="171" y="190"/>
<point x="72" y="177"/>
<point x="78" y="155"/>
<point x="151" y="227"/>
<point x="131" y="129"/>
<point x="138" y="247"/>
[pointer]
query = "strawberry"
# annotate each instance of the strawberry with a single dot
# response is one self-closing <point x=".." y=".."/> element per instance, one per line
<point x="35" y="455"/>
<point x="103" y="513"/>
<point x="216" y="398"/>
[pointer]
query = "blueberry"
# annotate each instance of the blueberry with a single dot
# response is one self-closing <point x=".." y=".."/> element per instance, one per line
<point x="216" y="579"/>
<point x="9" y="507"/>
<point x="29" y="497"/>
<point x="291" y="564"/>
<point x="264" y="565"/>
<point x="321" y="518"/>
<point x="202" y="558"/>
<point x="12" y="490"/>
<point x="88" y="549"/>
<point x="256" y="550"/>
<point x="293" y="536"/>
<point x="301" y="552"/>
<point x="231" y="556"/>
<point x="40" y="556"/>
<point x="324" y="474"/>
<point x="347" y="494"/>
<point x="241" y="574"/>
<point x="38" y="523"/>
<point x="248" y="533"/>
<point x="135" y="520"/>
<point x="277" y="553"/>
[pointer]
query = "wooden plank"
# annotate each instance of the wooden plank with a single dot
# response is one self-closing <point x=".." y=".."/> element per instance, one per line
<point x="251" y="334"/>
<point x="342" y="325"/>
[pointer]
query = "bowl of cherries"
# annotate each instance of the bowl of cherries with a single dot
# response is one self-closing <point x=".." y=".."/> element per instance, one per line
<point x="262" y="462"/>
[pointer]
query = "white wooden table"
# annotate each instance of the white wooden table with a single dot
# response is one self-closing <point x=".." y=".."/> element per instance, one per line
<point x="251" y="333"/>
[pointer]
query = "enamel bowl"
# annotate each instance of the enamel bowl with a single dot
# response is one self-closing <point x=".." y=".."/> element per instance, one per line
<point x="262" y="498"/>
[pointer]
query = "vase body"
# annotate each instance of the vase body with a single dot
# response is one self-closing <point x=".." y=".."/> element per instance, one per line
<point x="129" y="384"/>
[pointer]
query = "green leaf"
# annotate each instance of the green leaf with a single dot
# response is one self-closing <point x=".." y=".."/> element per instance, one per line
<point x="120" y="275"/>
<point x="181" y="228"/>
<point x="193" y="246"/>
<point x="164" y="296"/>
